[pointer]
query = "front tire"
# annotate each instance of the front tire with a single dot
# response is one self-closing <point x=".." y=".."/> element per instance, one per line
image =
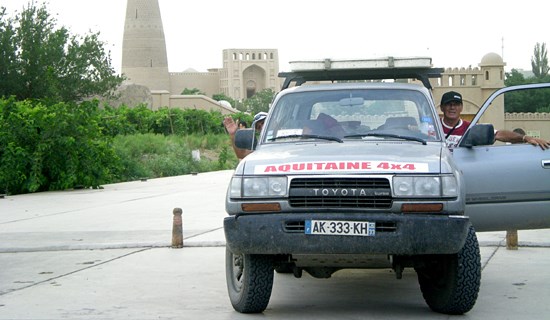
<point x="450" y="283"/>
<point x="249" y="281"/>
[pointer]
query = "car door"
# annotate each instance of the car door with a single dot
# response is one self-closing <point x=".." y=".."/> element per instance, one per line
<point x="507" y="185"/>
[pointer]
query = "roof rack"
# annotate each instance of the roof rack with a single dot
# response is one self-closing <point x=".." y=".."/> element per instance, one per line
<point x="419" y="68"/>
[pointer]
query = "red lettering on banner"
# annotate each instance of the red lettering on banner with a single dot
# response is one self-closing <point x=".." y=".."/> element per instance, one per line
<point x="338" y="166"/>
<point x="284" y="168"/>
<point x="383" y="165"/>
<point x="331" y="166"/>
<point x="352" y="165"/>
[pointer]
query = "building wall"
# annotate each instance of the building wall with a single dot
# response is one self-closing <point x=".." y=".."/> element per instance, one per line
<point x="162" y="98"/>
<point x="198" y="102"/>
<point x="207" y="82"/>
<point x="534" y="124"/>
<point x="247" y="71"/>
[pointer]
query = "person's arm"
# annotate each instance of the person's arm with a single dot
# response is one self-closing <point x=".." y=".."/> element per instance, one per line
<point x="513" y="137"/>
<point x="231" y="128"/>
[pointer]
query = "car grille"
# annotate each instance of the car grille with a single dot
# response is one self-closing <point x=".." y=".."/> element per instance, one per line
<point x="372" y="193"/>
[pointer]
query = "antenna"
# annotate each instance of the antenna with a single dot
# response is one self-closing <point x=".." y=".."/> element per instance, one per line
<point x="502" y="48"/>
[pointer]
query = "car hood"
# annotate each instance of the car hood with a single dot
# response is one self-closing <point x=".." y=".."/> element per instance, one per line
<point x="343" y="158"/>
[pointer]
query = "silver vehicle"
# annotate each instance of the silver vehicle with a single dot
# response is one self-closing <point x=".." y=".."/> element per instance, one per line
<point x="357" y="175"/>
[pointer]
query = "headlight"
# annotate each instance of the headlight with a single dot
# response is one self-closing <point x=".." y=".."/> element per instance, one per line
<point x="235" y="188"/>
<point x="425" y="186"/>
<point x="258" y="187"/>
<point x="450" y="186"/>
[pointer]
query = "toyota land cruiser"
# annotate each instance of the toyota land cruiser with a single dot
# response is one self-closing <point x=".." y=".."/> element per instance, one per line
<point x="351" y="172"/>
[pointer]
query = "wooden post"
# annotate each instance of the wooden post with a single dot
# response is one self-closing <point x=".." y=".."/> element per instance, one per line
<point x="511" y="239"/>
<point x="177" y="229"/>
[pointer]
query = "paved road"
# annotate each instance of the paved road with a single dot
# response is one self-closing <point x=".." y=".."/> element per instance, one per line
<point x="105" y="254"/>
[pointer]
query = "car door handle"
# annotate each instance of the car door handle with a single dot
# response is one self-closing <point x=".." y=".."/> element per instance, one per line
<point x="546" y="164"/>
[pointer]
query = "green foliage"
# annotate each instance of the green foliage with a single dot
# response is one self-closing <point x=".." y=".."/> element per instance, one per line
<point x="539" y="61"/>
<point x="260" y="101"/>
<point x="223" y="157"/>
<point x="41" y="61"/>
<point x="62" y="146"/>
<point x="514" y="78"/>
<point x="154" y="155"/>
<point x="223" y="97"/>
<point x="52" y="147"/>
<point x="114" y="121"/>
<point x="124" y="120"/>
<point x="207" y="141"/>
<point x="194" y="91"/>
<point x="243" y="117"/>
<point x="526" y="101"/>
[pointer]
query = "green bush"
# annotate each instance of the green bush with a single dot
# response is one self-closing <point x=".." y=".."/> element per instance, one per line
<point x="52" y="147"/>
<point x="166" y="121"/>
<point x="62" y="146"/>
<point x="155" y="155"/>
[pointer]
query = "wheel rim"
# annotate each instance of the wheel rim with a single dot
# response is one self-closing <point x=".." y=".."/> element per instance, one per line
<point x="237" y="267"/>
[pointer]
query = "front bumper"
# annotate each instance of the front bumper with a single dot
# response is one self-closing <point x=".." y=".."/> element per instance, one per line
<point x="395" y="234"/>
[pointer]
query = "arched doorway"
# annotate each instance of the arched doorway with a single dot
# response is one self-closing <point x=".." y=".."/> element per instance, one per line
<point x="250" y="88"/>
<point x="253" y="80"/>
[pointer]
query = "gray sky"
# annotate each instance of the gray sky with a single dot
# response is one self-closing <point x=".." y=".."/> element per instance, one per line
<point x="453" y="34"/>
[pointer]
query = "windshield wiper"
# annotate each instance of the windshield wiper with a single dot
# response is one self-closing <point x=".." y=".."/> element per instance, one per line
<point x="388" y="135"/>
<point x="307" y="136"/>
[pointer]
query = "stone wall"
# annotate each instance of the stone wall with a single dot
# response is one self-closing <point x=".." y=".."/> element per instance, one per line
<point x="534" y="124"/>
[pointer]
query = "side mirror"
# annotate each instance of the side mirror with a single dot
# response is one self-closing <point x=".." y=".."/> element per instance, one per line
<point x="479" y="135"/>
<point x="245" y="139"/>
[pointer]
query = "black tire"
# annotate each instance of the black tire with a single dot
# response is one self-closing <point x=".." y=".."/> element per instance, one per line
<point x="450" y="283"/>
<point x="249" y="281"/>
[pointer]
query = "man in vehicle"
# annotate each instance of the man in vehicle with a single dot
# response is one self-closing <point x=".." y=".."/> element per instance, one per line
<point x="455" y="127"/>
<point x="231" y="127"/>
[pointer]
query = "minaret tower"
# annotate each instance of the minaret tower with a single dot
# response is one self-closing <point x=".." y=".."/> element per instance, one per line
<point x="144" y="58"/>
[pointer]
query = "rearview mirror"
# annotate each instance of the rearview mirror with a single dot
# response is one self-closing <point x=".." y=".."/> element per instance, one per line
<point x="244" y="139"/>
<point x="479" y="135"/>
<point x="351" y="102"/>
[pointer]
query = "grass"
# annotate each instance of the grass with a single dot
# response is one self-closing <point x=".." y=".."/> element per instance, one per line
<point x="154" y="156"/>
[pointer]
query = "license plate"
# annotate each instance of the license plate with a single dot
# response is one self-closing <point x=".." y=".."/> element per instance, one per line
<point x="340" y="228"/>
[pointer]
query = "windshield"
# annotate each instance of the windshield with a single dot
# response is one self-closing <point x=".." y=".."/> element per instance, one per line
<point x="366" y="114"/>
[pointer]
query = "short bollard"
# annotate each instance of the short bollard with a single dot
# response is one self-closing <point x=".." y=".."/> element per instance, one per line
<point x="512" y="239"/>
<point x="177" y="229"/>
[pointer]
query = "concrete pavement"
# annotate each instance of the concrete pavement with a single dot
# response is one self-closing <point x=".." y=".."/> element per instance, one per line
<point x="105" y="254"/>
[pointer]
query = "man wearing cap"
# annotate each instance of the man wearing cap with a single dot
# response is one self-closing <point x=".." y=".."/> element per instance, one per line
<point x="231" y="127"/>
<point x="454" y="127"/>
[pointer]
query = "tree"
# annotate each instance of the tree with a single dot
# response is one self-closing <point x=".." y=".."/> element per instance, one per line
<point x="514" y="78"/>
<point x="194" y="91"/>
<point x="260" y="101"/>
<point x="223" y="97"/>
<point x="40" y="61"/>
<point x="539" y="62"/>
